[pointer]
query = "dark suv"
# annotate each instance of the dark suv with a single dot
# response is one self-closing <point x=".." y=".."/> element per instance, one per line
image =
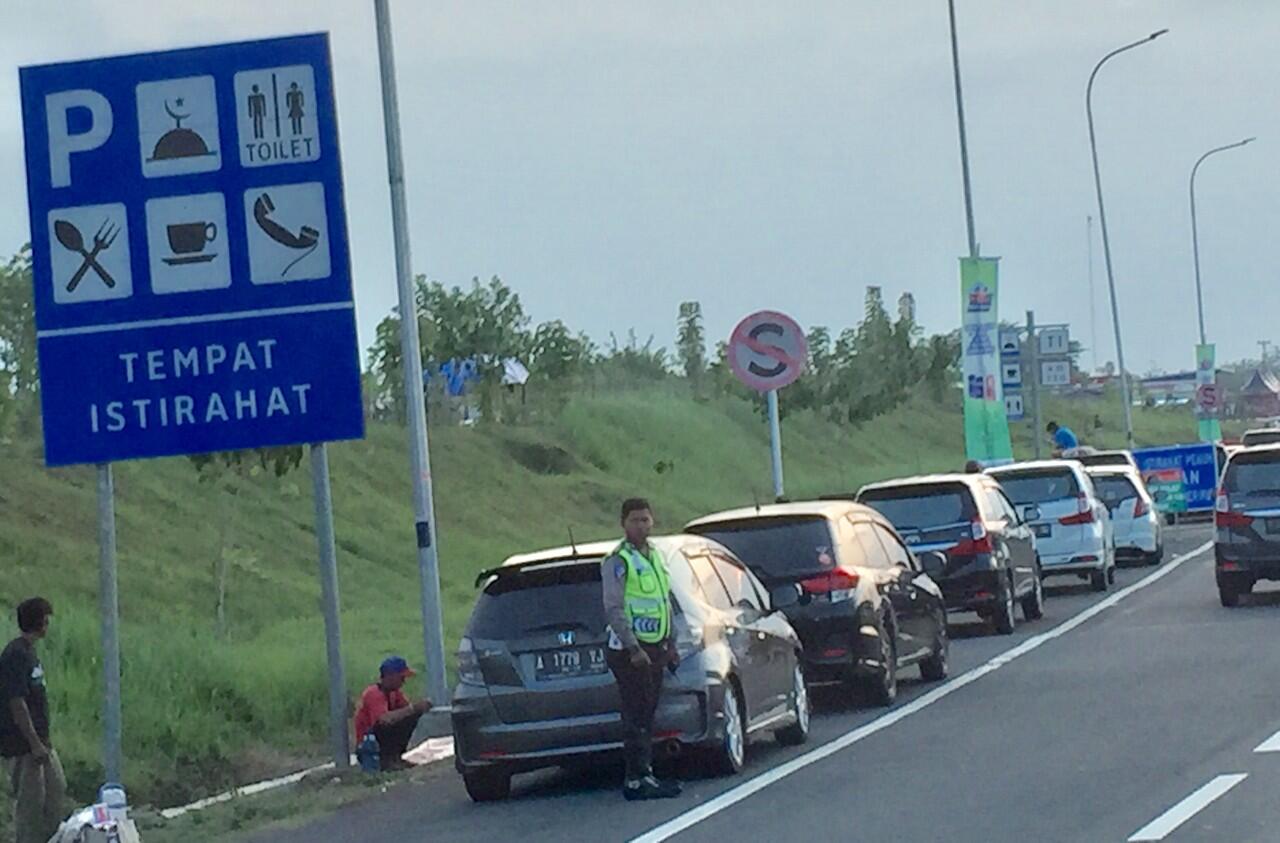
<point x="534" y="689"/>
<point x="1247" y="521"/>
<point x="990" y="549"/>
<point x="868" y="607"/>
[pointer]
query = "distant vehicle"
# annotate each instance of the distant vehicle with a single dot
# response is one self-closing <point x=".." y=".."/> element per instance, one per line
<point x="992" y="562"/>
<point x="1072" y="526"/>
<point x="1247" y="522"/>
<point x="534" y="689"/>
<point x="1137" y="529"/>
<point x="1261" y="436"/>
<point x="869" y="607"/>
<point x="1096" y="458"/>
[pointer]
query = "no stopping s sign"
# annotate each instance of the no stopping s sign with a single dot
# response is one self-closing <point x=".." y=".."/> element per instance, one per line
<point x="767" y="350"/>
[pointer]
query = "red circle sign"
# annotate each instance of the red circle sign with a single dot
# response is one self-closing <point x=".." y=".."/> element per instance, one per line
<point x="767" y="350"/>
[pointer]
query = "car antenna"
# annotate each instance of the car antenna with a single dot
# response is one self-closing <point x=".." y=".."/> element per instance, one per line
<point x="573" y="544"/>
<point x="756" y="498"/>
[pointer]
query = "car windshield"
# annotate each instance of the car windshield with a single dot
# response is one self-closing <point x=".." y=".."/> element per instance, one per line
<point x="921" y="507"/>
<point x="554" y="597"/>
<point x="1250" y="476"/>
<point x="777" y="547"/>
<point x="1261" y="437"/>
<point x="1114" y="489"/>
<point x="1039" y="486"/>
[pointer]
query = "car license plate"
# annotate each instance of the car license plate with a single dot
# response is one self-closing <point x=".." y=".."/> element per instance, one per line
<point x="566" y="664"/>
<point x="1043" y="531"/>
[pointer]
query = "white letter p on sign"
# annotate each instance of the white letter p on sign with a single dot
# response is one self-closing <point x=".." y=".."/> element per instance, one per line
<point x="61" y="142"/>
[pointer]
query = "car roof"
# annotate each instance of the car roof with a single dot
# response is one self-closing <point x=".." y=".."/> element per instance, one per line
<point x="924" y="480"/>
<point x="1035" y="465"/>
<point x="819" y="508"/>
<point x="597" y="550"/>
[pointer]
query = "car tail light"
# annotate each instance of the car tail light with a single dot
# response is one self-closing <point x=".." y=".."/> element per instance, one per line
<point x="469" y="672"/>
<point x="1224" y="517"/>
<point x="1140" y="508"/>
<point x="839" y="584"/>
<point x="1084" y="513"/>
<point x="979" y="541"/>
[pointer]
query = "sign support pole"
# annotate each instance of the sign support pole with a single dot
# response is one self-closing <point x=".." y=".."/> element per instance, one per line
<point x="411" y="355"/>
<point x="1033" y="344"/>
<point x="775" y="442"/>
<point x="329" y="600"/>
<point x="109" y="603"/>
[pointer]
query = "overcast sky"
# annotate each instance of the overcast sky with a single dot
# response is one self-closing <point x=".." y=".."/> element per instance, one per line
<point x="611" y="159"/>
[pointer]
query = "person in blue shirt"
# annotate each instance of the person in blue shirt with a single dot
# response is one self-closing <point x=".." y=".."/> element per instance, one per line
<point x="1063" y="438"/>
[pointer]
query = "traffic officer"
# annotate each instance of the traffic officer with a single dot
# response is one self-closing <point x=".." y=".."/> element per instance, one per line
<point x="638" y="608"/>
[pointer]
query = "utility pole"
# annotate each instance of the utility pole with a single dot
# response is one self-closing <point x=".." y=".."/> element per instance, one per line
<point x="1093" y="307"/>
<point x="964" y="142"/>
<point x="1033" y="356"/>
<point x="1266" y="345"/>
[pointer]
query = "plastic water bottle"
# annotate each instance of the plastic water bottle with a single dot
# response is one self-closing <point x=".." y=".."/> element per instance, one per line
<point x="369" y="754"/>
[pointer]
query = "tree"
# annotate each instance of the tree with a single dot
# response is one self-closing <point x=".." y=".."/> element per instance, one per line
<point x="19" y="372"/>
<point x="633" y="363"/>
<point x="557" y="354"/>
<point x="691" y="344"/>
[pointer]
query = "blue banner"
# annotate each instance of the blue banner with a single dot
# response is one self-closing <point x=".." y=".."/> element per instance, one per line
<point x="1182" y="478"/>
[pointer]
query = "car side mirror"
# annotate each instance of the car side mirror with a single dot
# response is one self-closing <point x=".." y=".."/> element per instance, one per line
<point x="1031" y="512"/>
<point x="934" y="562"/>
<point x="784" y="597"/>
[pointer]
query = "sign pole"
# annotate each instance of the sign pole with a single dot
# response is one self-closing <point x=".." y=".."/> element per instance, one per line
<point x="1033" y="344"/>
<point x="329" y="600"/>
<point x="109" y="602"/>
<point x="775" y="442"/>
<point x="411" y="354"/>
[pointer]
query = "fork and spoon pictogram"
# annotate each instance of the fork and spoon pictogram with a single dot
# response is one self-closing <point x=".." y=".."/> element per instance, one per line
<point x="71" y="238"/>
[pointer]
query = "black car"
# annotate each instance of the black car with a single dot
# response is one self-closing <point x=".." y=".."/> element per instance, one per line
<point x="868" y="608"/>
<point x="990" y="549"/>
<point x="1247" y="522"/>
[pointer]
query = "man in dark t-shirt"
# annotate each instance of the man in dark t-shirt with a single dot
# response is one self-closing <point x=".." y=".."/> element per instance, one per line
<point x="35" y="775"/>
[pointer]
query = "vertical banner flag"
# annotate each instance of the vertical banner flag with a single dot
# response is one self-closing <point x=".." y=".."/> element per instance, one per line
<point x="986" y="430"/>
<point x="1208" y="396"/>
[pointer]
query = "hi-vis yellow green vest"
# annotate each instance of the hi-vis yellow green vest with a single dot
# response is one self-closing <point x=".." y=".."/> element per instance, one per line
<point x="647" y="594"/>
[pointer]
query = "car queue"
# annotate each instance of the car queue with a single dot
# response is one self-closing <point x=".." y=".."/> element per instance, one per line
<point x="847" y="591"/>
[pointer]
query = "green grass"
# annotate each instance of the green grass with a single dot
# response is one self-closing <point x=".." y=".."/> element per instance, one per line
<point x="202" y="712"/>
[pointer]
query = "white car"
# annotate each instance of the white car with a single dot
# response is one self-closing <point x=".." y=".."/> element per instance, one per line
<point x="1137" y="529"/>
<point x="1072" y="525"/>
<point x="1099" y="458"/>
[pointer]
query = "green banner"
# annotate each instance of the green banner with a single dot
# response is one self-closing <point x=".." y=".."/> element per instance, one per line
<point x="1208" y="395"/>
<point x="986" y="429"/>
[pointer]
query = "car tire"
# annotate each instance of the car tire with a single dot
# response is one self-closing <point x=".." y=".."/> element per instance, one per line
<point x="882" y="690"/>
<point x="1111" y="575"/>
<point x="730" y="756"/>
<point x="937" y="667"/>
<point x="488" y="785"/>
<point x="1157" y="557"/>
<point x="1033" y="603"/>
<point x="798" y="732"/>
<point x="1228" y="595"/>
<point x="1006" y="618"/>
<point x="1099" y="580"/>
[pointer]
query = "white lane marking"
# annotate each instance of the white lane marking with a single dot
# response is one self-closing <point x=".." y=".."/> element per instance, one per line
<point x="111" y="327"/>
<point x="1163" y="825"/>
<point x="735" y="795"/>
<point x="1271" y="744"/>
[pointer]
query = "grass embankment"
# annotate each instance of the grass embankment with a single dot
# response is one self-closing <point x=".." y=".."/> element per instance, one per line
<point x="203" y="712"/>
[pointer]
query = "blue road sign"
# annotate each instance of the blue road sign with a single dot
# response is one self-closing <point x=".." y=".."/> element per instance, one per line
<point x="1181" y="477"/>
<point x="189" y="243"/>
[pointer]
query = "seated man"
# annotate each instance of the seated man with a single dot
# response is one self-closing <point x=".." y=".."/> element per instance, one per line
<point x="387" y="713"/>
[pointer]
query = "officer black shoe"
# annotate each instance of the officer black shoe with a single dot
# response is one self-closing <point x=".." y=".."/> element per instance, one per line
<point x="637" y="789"/>
<point x="664" y="789"/>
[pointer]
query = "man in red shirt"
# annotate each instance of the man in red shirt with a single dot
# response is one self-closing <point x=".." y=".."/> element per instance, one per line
<point x="387" y="713"/>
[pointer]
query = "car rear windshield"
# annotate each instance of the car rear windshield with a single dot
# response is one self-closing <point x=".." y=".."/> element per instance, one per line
<point x="1254" y="474"/>
<point x="1113" y="488"/>
<point x="776" y="547"/>
<point x="1039" y="486"/>
<point x="1261" y="437"/>
<point x="1103" y="459"/>
<point x="565" y="596"/>
<point x="920" y="507"/>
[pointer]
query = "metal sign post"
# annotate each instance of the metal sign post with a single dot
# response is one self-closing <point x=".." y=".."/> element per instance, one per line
<point x="192" y="280"/>
<point x="1033" y="348"/>
<point x="411" y="354"/>
<point x="768" y="351"/>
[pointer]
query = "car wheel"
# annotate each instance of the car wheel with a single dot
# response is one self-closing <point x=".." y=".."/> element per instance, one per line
<point x="1099" y="580"/>
<point x="730" y="756"/>
<point x="1111" y="574"/>
<point x="1229" y="595"/>
<point x="1033" y="603"/>
<point x="1006" y="617"/>
<point x="882" y="690"/>
<point x="487" y="785"/>
<point x="798" y="732"/>
<point x="1157" y="557"/>
<point x="936" y="667"/>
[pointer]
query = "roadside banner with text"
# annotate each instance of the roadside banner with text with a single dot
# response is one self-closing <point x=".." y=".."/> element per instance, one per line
<point x="986" y="428"/>
<point x="1208" y="395"/>
<point x="1181" y="478"/>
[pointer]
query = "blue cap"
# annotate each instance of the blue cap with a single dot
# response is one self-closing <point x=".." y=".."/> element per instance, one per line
<point x="396" y="666"/>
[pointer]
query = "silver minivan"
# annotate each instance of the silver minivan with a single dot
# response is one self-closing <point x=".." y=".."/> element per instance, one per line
<point x="534" y="689"/>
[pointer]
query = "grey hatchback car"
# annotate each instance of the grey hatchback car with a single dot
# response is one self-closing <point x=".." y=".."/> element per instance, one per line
<point x="534" y="689"/>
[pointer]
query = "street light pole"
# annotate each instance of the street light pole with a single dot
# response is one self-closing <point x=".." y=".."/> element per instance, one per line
<point x="1106" y="242"/>
<point x="964" y="142"/>
<point x="1195" y="236"/>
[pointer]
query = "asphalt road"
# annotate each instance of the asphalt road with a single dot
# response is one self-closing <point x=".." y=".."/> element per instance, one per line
<point x="1115" y="717"/>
